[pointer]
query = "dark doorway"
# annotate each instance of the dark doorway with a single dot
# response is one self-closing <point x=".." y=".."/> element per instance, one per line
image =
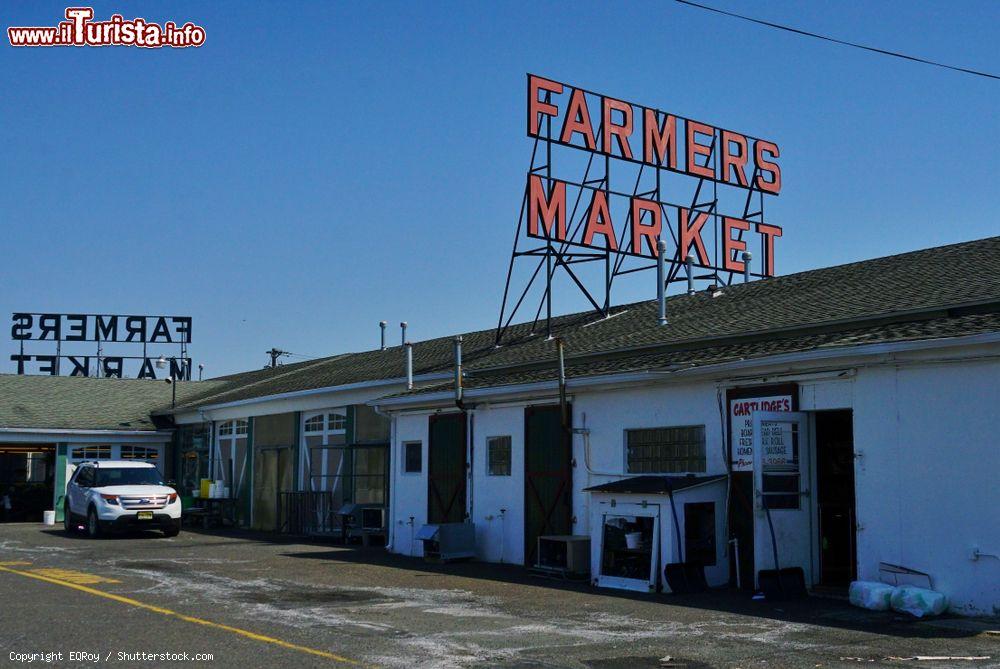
<point x="835" y="497"/>
<point x="446" y="468"/>
<point x="548" y="478"/>
<point x="27" y="481"/>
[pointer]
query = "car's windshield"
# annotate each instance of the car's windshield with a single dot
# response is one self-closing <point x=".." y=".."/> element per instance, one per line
<point x="128" y="476"/>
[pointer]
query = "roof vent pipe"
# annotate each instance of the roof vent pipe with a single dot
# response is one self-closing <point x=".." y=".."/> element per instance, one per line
<point x="689" y="268"/>
<point x="382" y="325"/>
<point x="747" y="257"/>
<point x="402" y="327"/>
<point x="661" y="277"/>
<point x="458" y="372"/>
<point x="409" y="365"/>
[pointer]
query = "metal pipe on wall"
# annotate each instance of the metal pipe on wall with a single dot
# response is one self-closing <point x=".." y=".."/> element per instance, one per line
<point x="402" y="327"/>
<point x="689" y="269"/>
<point x="661" y="277"/>
<point x="382" y="325"/>
<point x="747" y="257"/>
<point x="458" y="373"/>
<point x="563" y="414"/>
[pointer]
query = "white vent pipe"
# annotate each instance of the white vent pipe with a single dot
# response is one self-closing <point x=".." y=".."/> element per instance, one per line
<point x="661" y="278"/>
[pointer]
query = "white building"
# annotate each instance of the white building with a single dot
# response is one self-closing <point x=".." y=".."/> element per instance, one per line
<point x="860" y="402"/>
<point x="870" y="393"/>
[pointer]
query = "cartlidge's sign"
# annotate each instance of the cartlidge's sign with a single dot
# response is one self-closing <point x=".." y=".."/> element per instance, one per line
<point x="103" y="330"/>
<point x="631" y="222"/>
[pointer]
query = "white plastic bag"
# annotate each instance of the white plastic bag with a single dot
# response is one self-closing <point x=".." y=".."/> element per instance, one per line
<point x="918" y="602"/>
<point x="871" y="595"/>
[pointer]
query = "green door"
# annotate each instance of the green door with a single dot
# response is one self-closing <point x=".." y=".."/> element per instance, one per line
<point x="446" y="468"/>
<point x="548" y="478"/>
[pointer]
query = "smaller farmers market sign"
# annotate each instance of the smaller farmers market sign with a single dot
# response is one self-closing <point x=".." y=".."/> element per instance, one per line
<point x="68" y="353"/>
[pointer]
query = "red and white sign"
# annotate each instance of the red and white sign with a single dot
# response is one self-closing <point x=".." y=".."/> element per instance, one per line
<point x="741" y="430"/>
<point x="596" y="214"/>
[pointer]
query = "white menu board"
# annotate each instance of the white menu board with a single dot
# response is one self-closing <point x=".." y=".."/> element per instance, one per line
<point x="741" y="426"/>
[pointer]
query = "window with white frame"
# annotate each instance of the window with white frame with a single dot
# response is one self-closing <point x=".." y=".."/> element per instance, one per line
<point x="665" y="450"/>
<point x="498" y="456"/>
<point x="230" y="461"/>
<point x="129" y="452"/>
<point x="91" y="452"/>
<point x="324" y="435"/>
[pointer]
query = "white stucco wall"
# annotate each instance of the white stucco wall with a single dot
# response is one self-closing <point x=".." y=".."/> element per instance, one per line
<point x="608" y="414"/>
<point x="490" y="494"/>
<point x="928" y="478"/>
<point x="407" y="492"/>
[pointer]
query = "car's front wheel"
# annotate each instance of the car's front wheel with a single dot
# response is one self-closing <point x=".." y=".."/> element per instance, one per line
<point x="93" y="525"/>
<point x="67" y="519"/>
<point x="172" y="530"/>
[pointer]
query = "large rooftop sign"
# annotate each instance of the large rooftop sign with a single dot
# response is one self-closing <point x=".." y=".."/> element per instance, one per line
<point x="609" y="178"/>
<point x="70" y="353"/>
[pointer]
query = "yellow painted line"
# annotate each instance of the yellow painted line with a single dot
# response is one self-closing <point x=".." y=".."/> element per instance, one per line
<point x="80" y="577"/>
<point x="180" y="616"/>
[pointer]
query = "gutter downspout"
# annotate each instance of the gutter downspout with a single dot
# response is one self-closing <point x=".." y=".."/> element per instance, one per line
<point x="563" y="414"/>
<point x="458" y="373"/>
<point x="470" y="427"/>
<point x="391" y="539"/>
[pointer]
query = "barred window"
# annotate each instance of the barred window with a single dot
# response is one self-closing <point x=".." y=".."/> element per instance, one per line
<point x="498" y="452"/>
<point x="665" y="450"/>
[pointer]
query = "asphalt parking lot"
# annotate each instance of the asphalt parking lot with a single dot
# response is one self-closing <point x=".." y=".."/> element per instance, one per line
<point x="248" y="600"/>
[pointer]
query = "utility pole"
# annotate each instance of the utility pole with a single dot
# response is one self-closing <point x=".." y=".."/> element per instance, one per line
<point x="275" y="353"/>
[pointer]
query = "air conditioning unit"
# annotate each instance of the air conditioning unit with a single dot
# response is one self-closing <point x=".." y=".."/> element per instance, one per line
<point x="566" y="555"/>
<point x="448" y="541"/>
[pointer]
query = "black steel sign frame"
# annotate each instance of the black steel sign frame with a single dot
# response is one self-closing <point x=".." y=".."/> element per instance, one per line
<point x="558" y="217"/>
<point x="102" y="329"/>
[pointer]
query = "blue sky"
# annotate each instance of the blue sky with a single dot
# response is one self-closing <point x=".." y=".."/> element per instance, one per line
<point x="317" y="167"/>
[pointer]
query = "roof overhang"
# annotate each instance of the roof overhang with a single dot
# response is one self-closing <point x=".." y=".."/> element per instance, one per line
<point x="804" y="361"/>
<point x="26" y="435"/>
<point x="199" y="413"/>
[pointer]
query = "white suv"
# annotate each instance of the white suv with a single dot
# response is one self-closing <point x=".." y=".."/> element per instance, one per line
<point x="109" y="495"/>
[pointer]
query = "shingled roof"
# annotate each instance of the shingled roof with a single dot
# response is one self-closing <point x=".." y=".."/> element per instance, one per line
<point x="942" y="292"/>
<point x="84" y="403"/>
<point x="917" y="295"/>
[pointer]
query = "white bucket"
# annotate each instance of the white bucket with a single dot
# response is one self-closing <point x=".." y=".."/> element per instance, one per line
<point x="633" y="540"/>
<point x="49" y="517"/>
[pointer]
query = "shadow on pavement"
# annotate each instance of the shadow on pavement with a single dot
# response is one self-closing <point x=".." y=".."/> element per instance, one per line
<point x="812" y="610"/>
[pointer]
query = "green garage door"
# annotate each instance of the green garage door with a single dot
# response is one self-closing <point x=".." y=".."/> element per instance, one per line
<point x="548" y="478"/>
<point x="446" y="469"/>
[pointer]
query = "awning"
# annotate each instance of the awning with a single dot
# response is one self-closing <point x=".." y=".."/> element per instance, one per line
<point x="654" y="485"/>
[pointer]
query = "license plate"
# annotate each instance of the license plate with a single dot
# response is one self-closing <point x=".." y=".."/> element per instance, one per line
<point x="145" y="515"/>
